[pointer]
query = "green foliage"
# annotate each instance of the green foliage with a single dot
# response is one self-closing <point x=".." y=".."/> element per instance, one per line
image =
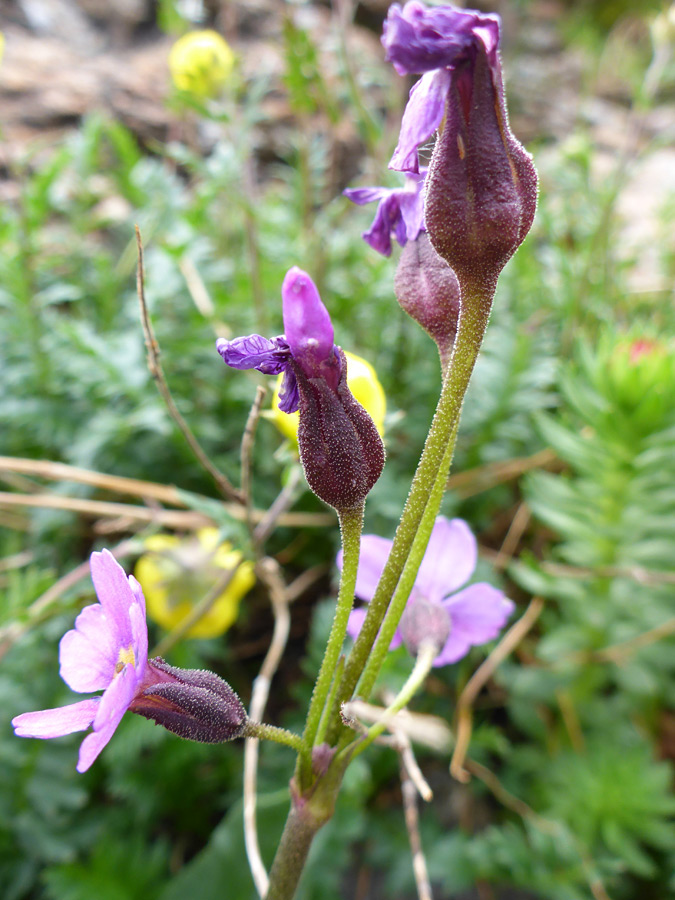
<point x="573" y="725"/>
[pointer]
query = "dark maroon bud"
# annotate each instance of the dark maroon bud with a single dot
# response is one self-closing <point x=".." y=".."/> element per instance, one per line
<point x="340" y="450"/>
<point x="482" y="185"/>
<point x="194" y="704"/>
<point x="424" y="622"/>
<point x="428" y="290"/>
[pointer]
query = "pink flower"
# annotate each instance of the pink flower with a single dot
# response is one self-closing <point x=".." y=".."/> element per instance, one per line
<point x="108" y="650"/>
<point x="437" y="611"/>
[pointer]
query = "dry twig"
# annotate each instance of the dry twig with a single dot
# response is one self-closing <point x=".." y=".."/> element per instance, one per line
<point x="480" y="677"/>
<point x="268" y="572"/>
<point x="155" y="367"/>
<point x="246" y="454"/>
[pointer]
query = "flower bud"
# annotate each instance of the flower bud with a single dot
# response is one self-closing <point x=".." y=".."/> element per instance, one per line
<point x="424" y="621"/>
<point x="482" y="184"/>
<point x="428" y="290"/>
<point x="308" y="328"/>
<point x="192" y="703"/>
<point x="340" y="449"/>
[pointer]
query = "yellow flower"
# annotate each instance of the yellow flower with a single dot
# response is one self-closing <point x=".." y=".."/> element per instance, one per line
<point x="200" y="63"/>
<point x="176" y="573"/>
<point x="364" y="385"/>
<point x="2" y="45"/>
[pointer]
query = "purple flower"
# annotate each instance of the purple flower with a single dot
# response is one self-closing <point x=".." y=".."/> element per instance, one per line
<point x="400" y="212"/>
<point x="437" y="611"/>
<point x="340" y="449"/>
<point x="434" y="43"/>
<point x="481" y="189"/>
<point x="108" y="650"/>
<point x="307" y="342"/>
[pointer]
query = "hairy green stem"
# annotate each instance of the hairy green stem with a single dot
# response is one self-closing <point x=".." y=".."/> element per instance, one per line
<point x="272" y="733"/>
<point x="351" y="523"/>
<point x="433" y="467"/>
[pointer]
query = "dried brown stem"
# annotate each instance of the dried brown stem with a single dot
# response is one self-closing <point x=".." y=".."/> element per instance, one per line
<point x="163" y="493"/>
<point x="155" y="368"/>
<point x="171" y="518"/>
<point x="475" y="481"/>
<point x="480" y="677"/>
<point x="268" y="572"/>
<point x="412" y="824"/>
<point x="246" y="454"/>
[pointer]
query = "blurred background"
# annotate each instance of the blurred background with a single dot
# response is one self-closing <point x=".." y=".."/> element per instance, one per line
<point x="232" y="164"/>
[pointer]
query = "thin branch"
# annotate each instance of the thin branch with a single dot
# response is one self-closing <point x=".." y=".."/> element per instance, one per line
<point x="275" y="514"/>
<point x="412" y="823"/>
<point x="196" y="613"/>
<point x="475" y="481"/>
<point x="516" y="530"/>
<point x="304" y="581"/>
<point x="246" y="454"/>
<point x="155" y="367"/>
<point x="480" y="677"/>
<point x="268" y="571"/>
<point x="619" y="653"/>
<point x="163" y="493"/>
<point x="171" y="518"/>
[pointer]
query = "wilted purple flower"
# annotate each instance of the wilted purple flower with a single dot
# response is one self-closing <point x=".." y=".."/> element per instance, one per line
<point x="400" y="212"/>
<point x="340" y="449"/>
<point x="434" y="43"/>
<point x="108" y="650"/>
<point x="437" y="612"/>
<point x="481" y="189"/>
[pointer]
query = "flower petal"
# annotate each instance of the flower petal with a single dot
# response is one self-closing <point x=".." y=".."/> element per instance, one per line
<point x="478" y="614"/>
<point x="51" y="723"/>
<point x="364" y="195"/>
<point x="116" y="699"/>
<point x="88" y="653"/>
<point x="139" y="629"/>
<point x="114" y="594"/>
<point x="450" y="559"/>
<point x="267" y="355"/>
<point x="374" y="555"/>
<point x="421" y="118"/>
<point x="355" y="623"/>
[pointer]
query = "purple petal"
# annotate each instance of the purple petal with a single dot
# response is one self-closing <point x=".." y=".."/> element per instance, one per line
<point x="374" y="555"/>
<point x="289" y="395"/>
<point x="307" y="324"/>
<point x="422" y="116"/>
<point x="387" y="219"/>
<point x="364" y="195"/>
<point x="88" y="653"/>
<point x="139" y="629"/>
<point x="116" y="699"/>
<point x="418" y="38"/>
<point x="114" y="594"/>
<point x="51" y="723"/>
<point x="355" y="624"/>
<point x="138" y="593"/>
<point x="450" y="559"/>
<point x="478" y="614"/>
<point x="411" y="204"/>
<point x="266" y="355"/>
